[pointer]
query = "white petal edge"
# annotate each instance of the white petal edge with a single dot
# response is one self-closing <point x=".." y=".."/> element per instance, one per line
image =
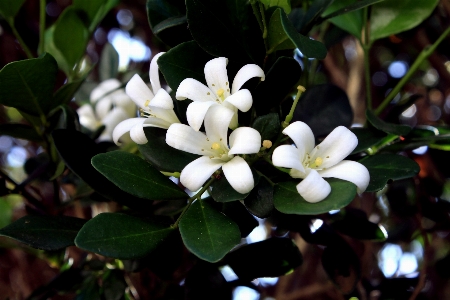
<point x="87" y="117"/>
<point x="287" y="156"/>
<point x="239" y="175"/>
<point x="195" y="174"/>
<point x="103" y="88"/>
<point x="124" y="127"/>
<point x="111" y="120"/>
<point x="138" y="91"/>
<point x="313" y="188"/>
<point x="162" y="99"/>
<point x="216" y="75"/>
<point x="244" y="74"/>
<point x="245" y="140"/>
<point x="184" y="138"/>
<point x="196" y="112"/>
<point x="302" y="136"/>
<point x="351" y="171"/>
<point x="217" y="120"/>
<point x="335" y="147"/>
<point x="103" y="107"/>
<point x="241" y="99"/>
<point x="193" y="89"/>
<point x="154" y="72"/>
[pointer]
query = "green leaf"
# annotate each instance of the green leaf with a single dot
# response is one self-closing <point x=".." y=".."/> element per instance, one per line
<point x="162" y="156"/>
<point x="226" y="28"/>
<point x="94" y="10"/>
<point x="207" y="233"/>
<point x="20" y="131"/>
<point x="10" y="8"/>
<point x="367" y="138"/>
<point x="282" y="35"/>
<point x="387" y="127"/>
<point x="222" y="191"/>
<point x="386" y="167"/>
<point x="67" y="92"/>
<point x="44" y="232"/>
<point x="133" y="175"/>
<point x="392" y="17"/>
<point x="351" y="22"/>
<point x="270" y="258"/>
<point x="109" y="63"/>
<point x="169" y="23"/>
<point x="28" y="84"/>
<point x="186" y="60"/>
<point x="284" y="4"/>
<point x="237" y="212"/>
<point x="287" y="200"/>
<point x="332" y="12"/>
<point x="312" y="14"/>
<point x="268" y="126"/>
<point x="260" y="200"/>
<point x="122" y="236"/>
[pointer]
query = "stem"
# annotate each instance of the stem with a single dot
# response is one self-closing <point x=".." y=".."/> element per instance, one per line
<point x="19" y="38"/>
<point x="264" y="23"/>
<point x="426" y="52"/>
<point x="174" y="174"/>
<point x="289" y="117"/>
<point x="366" y="47"/>
<point x="257" y="15"/>
<point x="41" y="26"/>
<point x="388" y="139"/>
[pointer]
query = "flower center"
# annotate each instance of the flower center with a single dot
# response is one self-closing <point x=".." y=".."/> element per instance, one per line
<point x="316" y="163"/>
<point x="220" y="94"/>
<point x="215" y="146"/>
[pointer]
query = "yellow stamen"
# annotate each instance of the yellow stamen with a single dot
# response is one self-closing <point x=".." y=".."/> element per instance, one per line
<point x="147" y="102"/>
<point x="215" y="146"/>
<point x="267" y="144"/>
<point x="318" y="162"/>
<point x="220" y="92"/>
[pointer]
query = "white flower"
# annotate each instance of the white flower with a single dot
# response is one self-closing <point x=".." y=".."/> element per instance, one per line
<point x="213" y="146"/>
<point x="218" y="91"/>
<point x="325" y="160"/>
<point x="112" y="105"/>
<point x="156" y="106"/>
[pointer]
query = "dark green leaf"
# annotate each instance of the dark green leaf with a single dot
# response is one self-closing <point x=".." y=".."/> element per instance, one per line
<point x="205" y="281"/>
<point x="9" y="8"/>
<point x="44" y="232"/>
<point x="386" y="167"/>
<point x="28" y="84"/>
<point x="260" y="200"/>
<point x="122" y="236"/>
<point x="169" y="23"/>
<point x="386" y="127"/>
<point x="351" y="22"/>
<point x="287" y="200"/>
<point x="237" y="212"/>
<point x="348" y="9"/>
<point x="94" y="10"/>
<point x="133" y="175"/>
<point x="109" y="63"/>
<point x="270" y="258"/>
<point x="367" y="138"/>
<point x="222" y="191"/>
<point x="162" y="156"/>
<point x="268" y="126"/>
<point x="324" y="107"/>
<point x="20" y="131"/>
<point x="284" y="4"/>
<point x="312" y="14"/>
<point x="186" y="60"/>
<point x="283" y="35"/>
<point x="207" y="233"/>
<point x="114" y="285"/>
<point x="66" y="93"/>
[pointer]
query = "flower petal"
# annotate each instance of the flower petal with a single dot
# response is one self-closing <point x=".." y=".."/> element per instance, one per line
<point x="154" y="72"/>
<point x="138" y="91"/>
<point x="183" y="137"/>
<point x="216" y="75"/>
<point x="121" y="99"/>
<point x="313" y="188"/>
<point x="245" y="140"/>
<point x="244" y="74"/>
<point x="162" y="99"/>
<point x="125" y="126"/>
<point x="87" y="117"/>
<point x="194" y="175"/>
<point x="103" y="107"/>
<point x="287" y="156"/>
<point x="351" y="171"/>
<point x="239" y="175"/>
<point x="164" y="114"/>
<point x="111" y="120"/>
<point x="196" y="112"/>
<point x="217" y="120"/>
<point x="104" y="88"/>
<point x="241" y="99"/>
<point x="195" y="90"/>
<point x="302" y="136"/>
<point x="335" y="147"/>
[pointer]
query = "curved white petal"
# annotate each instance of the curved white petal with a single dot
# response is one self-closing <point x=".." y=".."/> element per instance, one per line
<point x="164" y="114"/>
<point x="302" y="136"/>
<point x="138" y="91"/>
<point x="234" y="121"/>
<point x="103" y="107"/>
<point x="124" y="127"/>
<point x="239" y="175"/>
<point x="351" y="171"/>
<point x="110" y="121"/>
<point x="194" y="175"/>
<point x="137" y="134"/>
<point x="183" y="137"/>
<point x="162" y="99"/>
<point x="196" y="113"/>
<point x="245" y="140"/>
<point x="154" y="72"/>
<point x="193" y="89"/>
<point x="103" y="88"/>
<point x="87" y="117"/>
<point x="122" y="100"/>
<point x="287" y="156"/>
<point x="217" y="120"/>
<point x="244" y="74"/>
<point x="335" y="147"/>
<point x="241" y="99"/>
<point x="156" y="122"/>
<point x="313" y="188"/>
<point x="216" y="75"/>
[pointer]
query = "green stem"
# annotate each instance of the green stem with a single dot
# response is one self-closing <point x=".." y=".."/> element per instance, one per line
<point x="366" y="47"/>
<point x="384" y="142"/>
<point x="174" y="174"/>
<point x="19" y="38"/>
<point x="41" y="26"/>
<point x="426" y="52"/>
<point x="289" y="117"/>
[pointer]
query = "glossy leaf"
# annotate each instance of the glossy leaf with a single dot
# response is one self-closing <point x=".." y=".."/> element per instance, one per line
<point x="109" y="63"/>
<point x="260" y="200"/>
<point x="10" y="8"/>
<point x="351" y="22"/>
<point x="122" y="236"/>
<point x="162" y="156"/>
<point x="387" y="167"/>
<point x="268" y="126"/>
<point x="270" y="258"/>
<point x="287" y="200"/>
<point x="28" y="84"/>
<point x="133" y="175"/>
<point x="387" y="127"/>
<point x="20" y="131"/>
<point x="237" y="212"/>
<point x="284" y="4"/>
<point x="44" y="232"/>
<point x="324" y="107"/>
<point x="207" y="233"/>
<point x="282" y="35"/>
<point x="367" y="138"/>
<point x="222" y="191"/>
<point x="332" y="12"/>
